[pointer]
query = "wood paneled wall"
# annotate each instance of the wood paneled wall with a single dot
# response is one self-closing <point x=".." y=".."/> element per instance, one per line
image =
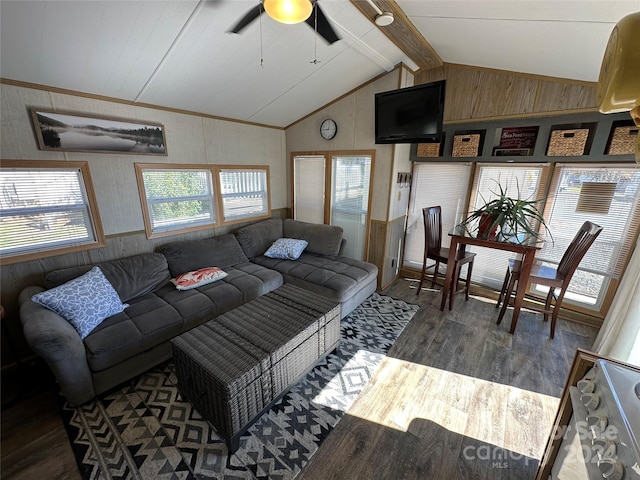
<point x="481" y="93"/>
<point x="378" y="245"/>
<point x="385" y="248"/>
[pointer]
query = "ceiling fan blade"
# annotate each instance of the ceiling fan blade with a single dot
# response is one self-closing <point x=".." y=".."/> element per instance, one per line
<point x="325" y="30"/>
<point x="249" y="17"/>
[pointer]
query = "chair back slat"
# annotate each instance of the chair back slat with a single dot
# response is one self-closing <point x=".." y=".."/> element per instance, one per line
<point x="432" y="228"/>
<point x="578" y="248"/>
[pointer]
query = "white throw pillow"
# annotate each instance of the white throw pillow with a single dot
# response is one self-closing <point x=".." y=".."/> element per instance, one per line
<point x="286" y="248"/>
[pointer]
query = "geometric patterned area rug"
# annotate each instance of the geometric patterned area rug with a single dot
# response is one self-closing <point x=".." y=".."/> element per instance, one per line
<point x="145" y="430"/>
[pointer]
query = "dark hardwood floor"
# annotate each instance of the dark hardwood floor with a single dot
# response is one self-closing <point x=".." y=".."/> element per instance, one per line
<point x="34" y="442"/>
<point x="457" y="397"/>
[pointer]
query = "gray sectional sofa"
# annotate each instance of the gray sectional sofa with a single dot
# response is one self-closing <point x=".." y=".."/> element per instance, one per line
<point x="320" y="268"/>
<point x="129" y="343"/>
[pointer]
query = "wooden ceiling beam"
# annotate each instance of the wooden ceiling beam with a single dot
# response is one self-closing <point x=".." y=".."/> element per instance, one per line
<point x="402" y="33"/>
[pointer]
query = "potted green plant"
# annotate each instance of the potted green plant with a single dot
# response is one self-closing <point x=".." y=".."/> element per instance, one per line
<point x="516" y="219"/>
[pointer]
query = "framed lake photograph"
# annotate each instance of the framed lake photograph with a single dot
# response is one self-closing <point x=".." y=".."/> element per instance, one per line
<point x="75" y="132"/>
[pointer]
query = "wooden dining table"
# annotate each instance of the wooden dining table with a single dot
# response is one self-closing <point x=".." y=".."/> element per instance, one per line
<point x="461" y="237"/>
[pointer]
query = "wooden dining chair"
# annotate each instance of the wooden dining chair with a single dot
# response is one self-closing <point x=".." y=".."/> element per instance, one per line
<point x="433" y="250"/>
<point x="554" y="278"/>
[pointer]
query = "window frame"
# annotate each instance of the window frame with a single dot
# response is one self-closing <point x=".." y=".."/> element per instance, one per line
<point x="91" y="204"/>
<point x="414" y="234"/>
<point x="171" y="167"/>
<point x="627" y="243"/>
<point x="491" y="261"/>
<point x="220" y="198"/>
<point x="217" y="196"/>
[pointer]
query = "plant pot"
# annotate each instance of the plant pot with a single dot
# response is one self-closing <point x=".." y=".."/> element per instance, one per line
<point x="484" y="226"/>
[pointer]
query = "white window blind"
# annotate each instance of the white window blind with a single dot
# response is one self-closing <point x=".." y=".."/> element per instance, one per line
<point x="309" y="185"/>
<point x="607" y="196"/>
<point x="520" y="181"/>
<point x="350" y="200"/>
<point x="176" y="198"/>
<point x="443" y="184"/>
<point x="44" y="209"/>
<point x="244" y="192"/>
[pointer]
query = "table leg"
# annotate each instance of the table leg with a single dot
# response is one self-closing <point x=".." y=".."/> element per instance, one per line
<point x="449" y="275"/>
<point x="523" y="283"/>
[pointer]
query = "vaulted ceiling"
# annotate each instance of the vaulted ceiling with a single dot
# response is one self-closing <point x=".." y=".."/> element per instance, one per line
<point x="180" y="54"/>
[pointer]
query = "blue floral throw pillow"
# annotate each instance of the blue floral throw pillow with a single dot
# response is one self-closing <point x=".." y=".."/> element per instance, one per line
<point x="84" y="301"/>
<point x="286" y="248"/>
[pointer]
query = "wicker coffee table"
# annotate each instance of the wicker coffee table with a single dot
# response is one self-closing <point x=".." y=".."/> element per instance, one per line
<point x="236" y="366"/>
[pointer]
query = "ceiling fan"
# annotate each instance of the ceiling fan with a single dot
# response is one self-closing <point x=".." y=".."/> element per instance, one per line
<point x="291" y="11"/>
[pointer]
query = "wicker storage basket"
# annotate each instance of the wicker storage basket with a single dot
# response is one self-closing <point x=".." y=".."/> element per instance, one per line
<point x="428" y="150"/>
<point x="233" y="367"/>
<point x="565" y="143"/>
<point x="623" y="141"/>
<point x="466" y="145"/>
<point x="222" y="375"/>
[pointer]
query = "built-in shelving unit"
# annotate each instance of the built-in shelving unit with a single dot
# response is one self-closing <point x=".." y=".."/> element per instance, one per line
<point x="581" y="137"/>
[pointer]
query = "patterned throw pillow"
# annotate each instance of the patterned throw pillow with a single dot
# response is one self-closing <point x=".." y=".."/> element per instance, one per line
<point x="197" y="278"/>
<point x="84" y="301"/>
<point x="286" y="248"/>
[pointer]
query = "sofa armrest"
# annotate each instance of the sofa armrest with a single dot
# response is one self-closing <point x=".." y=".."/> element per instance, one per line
<point x="59" y="344"/>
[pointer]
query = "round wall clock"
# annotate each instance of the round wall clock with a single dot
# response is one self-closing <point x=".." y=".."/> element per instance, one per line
<point x="328" y="129"/>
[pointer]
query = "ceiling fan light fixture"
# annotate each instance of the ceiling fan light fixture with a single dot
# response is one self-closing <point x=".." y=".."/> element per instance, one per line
<point x="288" y="11"/>
<point x="383" y="19"/>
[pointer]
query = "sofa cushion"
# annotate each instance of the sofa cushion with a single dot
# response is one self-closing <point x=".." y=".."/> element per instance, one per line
<point x="222" y="251"/>
<point x="323" y="239"/>
<point x="146" y="323"/>
<point x="335" y="277"/>
<point x="287" y="248"/>
<point x="84" y="301"/>
<point x="256" y="238"/>
<point x="131" y="276"/>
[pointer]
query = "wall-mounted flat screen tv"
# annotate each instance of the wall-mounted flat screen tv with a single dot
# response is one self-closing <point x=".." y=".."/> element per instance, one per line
<point x="410" y="115"/>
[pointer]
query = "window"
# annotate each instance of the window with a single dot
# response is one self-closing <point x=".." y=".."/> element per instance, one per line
<point x="244" y="193"/>
<point x="350" y="181"/>
<point x="525" y="181"/>
<point x="309" y="188"/>
<point x="183" y="198"/>
<point x="434" y="184"/>
<point x="48" y="208"/>
<point x="607" y="196"/>
<point x="175" y="198"/>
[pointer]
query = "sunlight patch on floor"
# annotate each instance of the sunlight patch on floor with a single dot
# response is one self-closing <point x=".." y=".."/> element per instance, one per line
<point x="496" y="414"/>
<point x="345" y="387"/>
